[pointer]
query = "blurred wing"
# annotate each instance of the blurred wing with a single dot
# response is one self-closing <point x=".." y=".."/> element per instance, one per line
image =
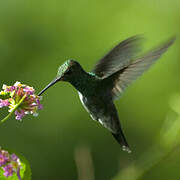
<point x="118" y="57"/>
<point x="124" y="77"/>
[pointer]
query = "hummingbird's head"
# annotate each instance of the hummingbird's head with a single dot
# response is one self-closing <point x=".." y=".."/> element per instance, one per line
<point x="69" y="70"/>
<point x="66" y="72"/>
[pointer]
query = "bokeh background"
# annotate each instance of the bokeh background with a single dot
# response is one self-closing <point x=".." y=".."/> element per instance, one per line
<point x="37" y="36"/>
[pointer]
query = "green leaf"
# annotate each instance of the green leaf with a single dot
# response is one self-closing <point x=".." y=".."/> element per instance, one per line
<point x="26" y="175"/>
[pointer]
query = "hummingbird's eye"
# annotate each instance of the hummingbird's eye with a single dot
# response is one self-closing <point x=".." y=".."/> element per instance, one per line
<point x="69" y="71"/>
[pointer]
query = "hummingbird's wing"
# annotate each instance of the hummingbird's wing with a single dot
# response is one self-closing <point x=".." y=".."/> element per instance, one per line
<point x="125" y="76"/>
<point x="119" y="57"/>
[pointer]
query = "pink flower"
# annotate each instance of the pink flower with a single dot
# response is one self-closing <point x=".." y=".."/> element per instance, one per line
<point x="10" y="163"/>
<point x="14" y="157"/>
<point x="3" y="160"/>
<point x="8" y="88"/>
<point x="19" y="114"/>
<point x="29" y="105"/>
<point x="4" y="103"/>
<point x="40" y="106"/>
<point x="8" y="170"/>
<point x="29" y="90"/>
<point x="4" y="157"/>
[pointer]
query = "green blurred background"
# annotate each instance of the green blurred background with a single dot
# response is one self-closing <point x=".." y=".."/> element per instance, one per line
<point x="37" y="36"/>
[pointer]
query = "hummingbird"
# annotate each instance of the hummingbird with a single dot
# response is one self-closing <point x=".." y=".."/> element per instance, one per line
<point x="107" y="81"/>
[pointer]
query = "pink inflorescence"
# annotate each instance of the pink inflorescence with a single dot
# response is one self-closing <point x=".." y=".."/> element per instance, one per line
<point x="10" y="96"/>
<point x="10" y="163"/>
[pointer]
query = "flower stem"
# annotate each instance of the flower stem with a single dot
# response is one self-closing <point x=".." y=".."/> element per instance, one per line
<point x="18" y="174"/>
<point x="16" y="106"/>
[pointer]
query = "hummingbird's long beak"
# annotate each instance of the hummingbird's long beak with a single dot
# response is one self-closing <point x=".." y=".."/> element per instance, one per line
<point x="49" y="85"/>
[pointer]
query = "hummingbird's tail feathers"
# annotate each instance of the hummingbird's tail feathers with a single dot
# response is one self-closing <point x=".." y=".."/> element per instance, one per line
<point x="120" y="138"/>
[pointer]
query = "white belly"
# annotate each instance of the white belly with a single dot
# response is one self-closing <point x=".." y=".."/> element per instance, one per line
<point x="81" y="98"/>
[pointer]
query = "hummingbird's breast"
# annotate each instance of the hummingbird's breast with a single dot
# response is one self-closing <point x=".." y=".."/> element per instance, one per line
<point x="95" y="96"/>
<point x="102" y="110"/>
<point x="92" y="104"/>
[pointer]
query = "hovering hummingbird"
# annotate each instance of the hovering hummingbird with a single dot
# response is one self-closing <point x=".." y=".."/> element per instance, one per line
<point x="108" y="80"/>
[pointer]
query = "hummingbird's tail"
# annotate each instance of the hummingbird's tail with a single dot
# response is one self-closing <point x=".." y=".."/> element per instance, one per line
<point x="120" y="138"/>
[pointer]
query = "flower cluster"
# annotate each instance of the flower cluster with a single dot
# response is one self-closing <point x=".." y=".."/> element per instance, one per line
<point x="20" y="99"/>
<point x="10" y="164"/>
